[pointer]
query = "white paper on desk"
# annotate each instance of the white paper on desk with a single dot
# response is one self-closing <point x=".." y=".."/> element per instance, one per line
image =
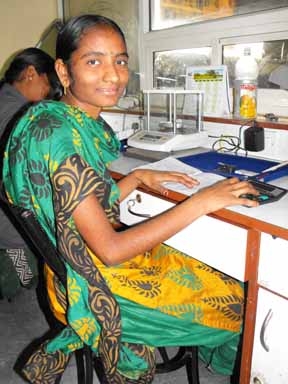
<point x="173" y="164"/>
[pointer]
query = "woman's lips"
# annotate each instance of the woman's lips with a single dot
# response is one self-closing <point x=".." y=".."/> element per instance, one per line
<point x="108" y="91"/>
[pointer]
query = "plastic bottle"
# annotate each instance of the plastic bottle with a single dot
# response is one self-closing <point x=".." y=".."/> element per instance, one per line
<point x="245" y="90"/>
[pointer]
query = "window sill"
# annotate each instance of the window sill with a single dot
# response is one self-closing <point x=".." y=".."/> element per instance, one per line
<point x="282" y="123"/>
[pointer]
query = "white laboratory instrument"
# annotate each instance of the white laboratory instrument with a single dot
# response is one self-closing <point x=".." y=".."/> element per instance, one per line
<point x="166" y="128"/>
<point x="166" y="142"/>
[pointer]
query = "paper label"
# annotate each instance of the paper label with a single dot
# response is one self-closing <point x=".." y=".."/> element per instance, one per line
<point x="247" y="101"/>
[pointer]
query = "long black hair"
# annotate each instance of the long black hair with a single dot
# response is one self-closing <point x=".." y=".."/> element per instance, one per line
<point x="69" y="36"/>
<point x="43" y="64"/>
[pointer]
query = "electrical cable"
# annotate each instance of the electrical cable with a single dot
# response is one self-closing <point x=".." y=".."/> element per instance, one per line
<point x="231" y="143"/>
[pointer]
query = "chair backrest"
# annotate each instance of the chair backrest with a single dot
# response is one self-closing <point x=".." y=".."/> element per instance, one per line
<point x="35" y="236"/>
<point x="9" y="127"/>
<point x="24" y="220"/>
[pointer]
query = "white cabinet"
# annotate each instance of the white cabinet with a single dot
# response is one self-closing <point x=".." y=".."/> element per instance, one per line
<point x="270" y="352"/>
<point x="273" y="265"/>
<point x="212" y="241"/>
<point x="216" y="243"/>
<point x="141" y="204"/>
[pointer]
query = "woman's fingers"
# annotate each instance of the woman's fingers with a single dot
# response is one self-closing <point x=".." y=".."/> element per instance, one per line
<point x="155" y="179"/>
<point x="227" y="193"/>
<point x="243" y="188"/>
<point x="222" y="194"/>
<point x="177" y="177"/>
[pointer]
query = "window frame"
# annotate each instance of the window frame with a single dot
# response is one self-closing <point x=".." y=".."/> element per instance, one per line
<point x="266" y="25"/>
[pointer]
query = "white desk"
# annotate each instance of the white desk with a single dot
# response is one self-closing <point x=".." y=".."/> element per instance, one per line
<point x="251" y="245"/>
<point x="273" y="213"/>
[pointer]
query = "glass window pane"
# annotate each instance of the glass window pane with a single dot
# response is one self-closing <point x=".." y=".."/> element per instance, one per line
<point x="272" y="59"/>
<point x="170" y="13"/>
<point x="170" y="66"/>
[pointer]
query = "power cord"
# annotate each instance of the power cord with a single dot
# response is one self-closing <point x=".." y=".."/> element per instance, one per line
<point x="231" y="143"/>
<point x="225" y="143"/>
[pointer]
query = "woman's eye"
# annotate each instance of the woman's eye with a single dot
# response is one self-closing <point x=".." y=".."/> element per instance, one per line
<point x="93" y="62"/>
<point x="122" y="62"/>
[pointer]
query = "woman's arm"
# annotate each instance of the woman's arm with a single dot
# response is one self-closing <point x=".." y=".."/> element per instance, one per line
<point x="154" y="180"/>
<point x="115" y="247"/>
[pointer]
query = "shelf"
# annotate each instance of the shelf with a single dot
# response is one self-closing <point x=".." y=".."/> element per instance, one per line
<point x="281" y="124"/>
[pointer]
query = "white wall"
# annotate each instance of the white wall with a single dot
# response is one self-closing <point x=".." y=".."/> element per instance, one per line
<point x="122" y="123"/>
<point x="275" y="140"/>
<point x="21" y="24"/>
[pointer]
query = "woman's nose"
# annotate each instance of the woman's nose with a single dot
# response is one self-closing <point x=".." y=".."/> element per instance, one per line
<point x="111" y="74"/>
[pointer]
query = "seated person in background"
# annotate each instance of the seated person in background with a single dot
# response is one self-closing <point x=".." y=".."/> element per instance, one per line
<point x="127" y="292"/>
<point x="30" y="77"/>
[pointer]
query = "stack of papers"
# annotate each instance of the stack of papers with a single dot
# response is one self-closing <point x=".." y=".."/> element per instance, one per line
<point x="172" y="164"/>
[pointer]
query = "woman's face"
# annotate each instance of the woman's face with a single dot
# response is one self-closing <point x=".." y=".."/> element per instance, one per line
<point x="98" y="70"/>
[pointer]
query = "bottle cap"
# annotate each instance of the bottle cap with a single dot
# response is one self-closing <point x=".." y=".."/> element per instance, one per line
<point x="246" y="67"/>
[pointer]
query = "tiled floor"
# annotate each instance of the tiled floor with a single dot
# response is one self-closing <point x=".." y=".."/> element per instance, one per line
<point x="21" y="321"/>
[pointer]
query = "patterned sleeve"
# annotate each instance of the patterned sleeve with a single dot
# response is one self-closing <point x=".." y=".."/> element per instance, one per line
<point x="72" y="182"/>
<point x="75" y="178"/>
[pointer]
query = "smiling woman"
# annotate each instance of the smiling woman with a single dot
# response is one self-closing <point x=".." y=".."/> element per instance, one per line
<point x="116" y="279"/>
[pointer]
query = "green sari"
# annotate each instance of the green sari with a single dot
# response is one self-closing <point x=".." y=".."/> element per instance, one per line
<point x="58" y="155"/>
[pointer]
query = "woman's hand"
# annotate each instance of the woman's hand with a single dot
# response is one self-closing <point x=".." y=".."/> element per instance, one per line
<point x="226" y="193"/>
<point x="156" y="179"/>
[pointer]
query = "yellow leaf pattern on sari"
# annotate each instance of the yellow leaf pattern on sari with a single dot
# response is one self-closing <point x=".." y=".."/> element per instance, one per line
<point x="73" y="346"/>
<point x="74" y="291"/>
<point x="185" y="277"/>
<point x="189" y="312"/>
<point x="76" y="138"/>
<point x="84" y="327"/>
<point x="228" y="305"/>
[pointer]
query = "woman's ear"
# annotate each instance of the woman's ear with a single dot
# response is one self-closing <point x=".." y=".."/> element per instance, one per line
<point x="29" y="73"/>
<point x="62" y="73"/>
